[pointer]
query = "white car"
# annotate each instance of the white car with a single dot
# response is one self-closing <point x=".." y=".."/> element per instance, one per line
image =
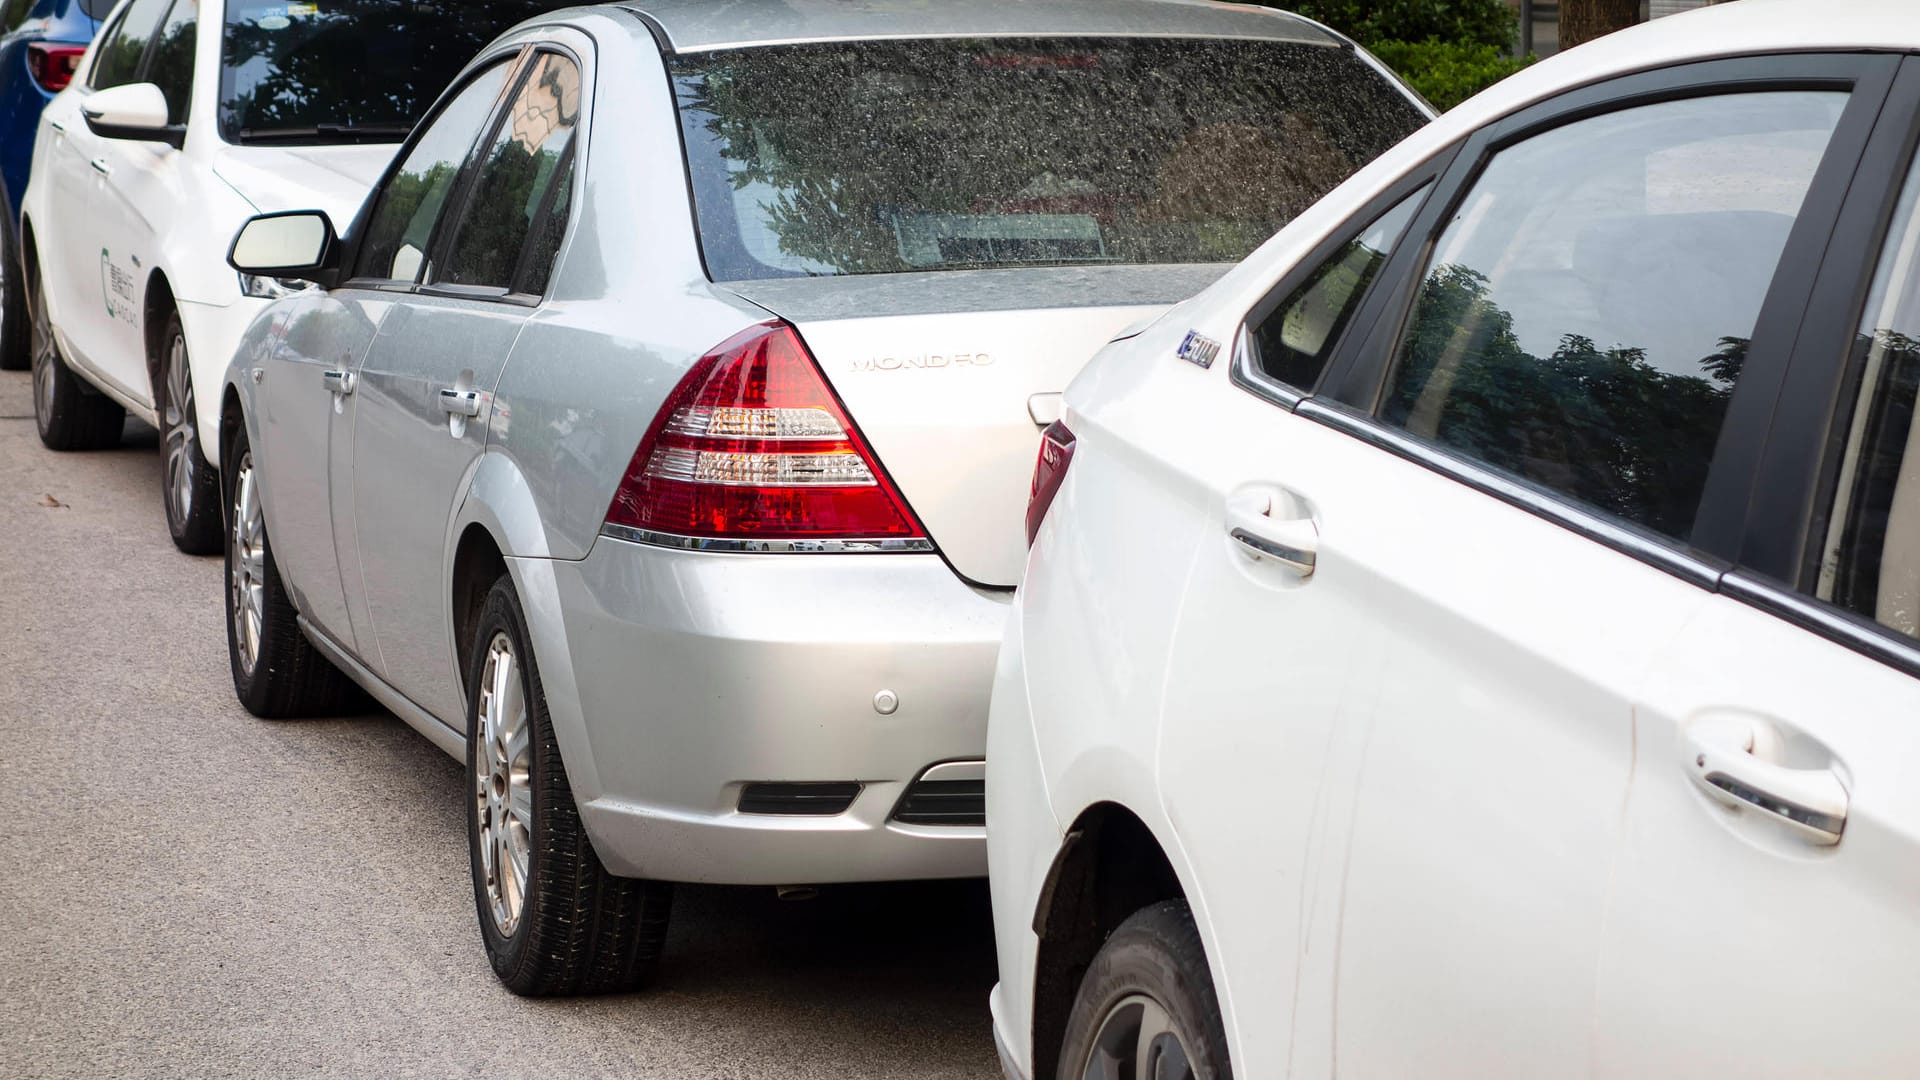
<point x="1504" y="658"/>
<point x="165" y="142"/>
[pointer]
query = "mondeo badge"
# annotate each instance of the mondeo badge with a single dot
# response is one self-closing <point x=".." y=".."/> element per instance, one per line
<point x="1196" y="348"/>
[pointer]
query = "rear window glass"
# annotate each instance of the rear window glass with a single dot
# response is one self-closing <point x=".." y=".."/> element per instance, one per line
<point x="898" y="156"/>
<point x="331" y="71"/>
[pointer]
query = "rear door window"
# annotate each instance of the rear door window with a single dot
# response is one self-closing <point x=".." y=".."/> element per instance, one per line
<point x="1870" y="562"/>
<point x="1586" y="315"/>
<point x="1293" y="343"/>
<point x="514" y="177"/>
<point x="896" y="156"/>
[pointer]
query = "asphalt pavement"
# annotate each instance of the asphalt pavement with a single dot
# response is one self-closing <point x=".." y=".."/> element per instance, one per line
<point x="186" y="891"/>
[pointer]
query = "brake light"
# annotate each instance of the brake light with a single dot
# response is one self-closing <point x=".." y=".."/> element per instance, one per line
<point x="1056" y="453"/>
<point x="54" y="66"/>
<point x="752" y="444"/>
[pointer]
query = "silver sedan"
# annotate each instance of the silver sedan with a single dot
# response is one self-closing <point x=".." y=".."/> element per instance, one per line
<point x="657" y="437"/>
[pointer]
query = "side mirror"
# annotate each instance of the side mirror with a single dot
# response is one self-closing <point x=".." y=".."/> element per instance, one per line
<point x="134" y="111"/>
<point x="298" y="244"/>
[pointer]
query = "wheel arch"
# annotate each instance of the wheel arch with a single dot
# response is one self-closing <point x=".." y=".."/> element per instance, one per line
<point x="154" y="307"/>
<point x="498" y="529"/>
<point x="1109" y="866"/>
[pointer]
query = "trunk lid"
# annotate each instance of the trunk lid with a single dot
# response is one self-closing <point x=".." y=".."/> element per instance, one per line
<point x="940" y="371"/>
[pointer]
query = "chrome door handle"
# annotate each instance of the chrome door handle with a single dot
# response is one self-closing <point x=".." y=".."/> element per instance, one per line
<point x="1729" y="758"/>
<point x="100" y="166"/>
<point x="460" y="402"/>
<point x="338" y="382"/>
<point x="1293" y="542"/>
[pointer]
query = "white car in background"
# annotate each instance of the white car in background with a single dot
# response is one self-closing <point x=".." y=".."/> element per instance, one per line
<point x="167" y="140"/>
<point x="1504" y="660"/>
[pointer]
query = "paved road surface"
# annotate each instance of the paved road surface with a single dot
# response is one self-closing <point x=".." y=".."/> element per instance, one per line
<point x="188" y="891"/>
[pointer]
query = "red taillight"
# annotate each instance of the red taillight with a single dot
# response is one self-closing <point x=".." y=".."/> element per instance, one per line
<point x="53" y="66"/>
<point x="753" y="445"/>
<point x="1056" y="452"/>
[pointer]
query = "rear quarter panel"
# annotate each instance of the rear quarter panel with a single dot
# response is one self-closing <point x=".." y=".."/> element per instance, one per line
<point x="630" y="309"/>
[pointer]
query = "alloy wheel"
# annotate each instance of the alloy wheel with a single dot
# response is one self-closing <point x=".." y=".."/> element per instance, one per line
<point x="181" y="435"/>
<point x="503" y="785"/>
<point x="1137" y="1041"/>
<point x="44" y="359"/>
<point x="247" y="566"/>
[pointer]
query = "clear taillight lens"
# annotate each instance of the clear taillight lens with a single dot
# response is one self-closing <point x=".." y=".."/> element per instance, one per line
<point x="53" y="66"/>
<point x="753" y="444"/>
<point x="1056" y="453"/>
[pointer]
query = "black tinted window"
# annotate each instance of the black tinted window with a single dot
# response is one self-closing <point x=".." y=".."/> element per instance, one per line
<point x="170" y="67"/>
<point x="1871" y="561"/>
<point x="397" y="236"/>
<point x="890" y="156"/>
<point x="548" y="230"/>
<point x="348" y="70"/>
<point x="514" y="176"/>
<point x="1295" y="341"/>
<point x="118" y="60"/>
<point x="1587" y="312"/>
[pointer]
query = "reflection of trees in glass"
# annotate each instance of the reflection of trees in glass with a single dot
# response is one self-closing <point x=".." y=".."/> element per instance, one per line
<point x="370" y="63"/>
<point x="171" y="65"/>
<point x="514" y="176"/>
<point x="1600" y="424"/>
<point x="1186" y="151"/>
<point x="408" y="208"/>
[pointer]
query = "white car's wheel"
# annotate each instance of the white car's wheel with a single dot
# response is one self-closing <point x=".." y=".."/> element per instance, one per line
<point x="69" y="414"/>
<point x="1146" y="1009"/>
<point x="188" y="485"/>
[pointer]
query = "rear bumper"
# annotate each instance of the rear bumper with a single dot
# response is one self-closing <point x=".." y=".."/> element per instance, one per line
<point x="698" y="673"/>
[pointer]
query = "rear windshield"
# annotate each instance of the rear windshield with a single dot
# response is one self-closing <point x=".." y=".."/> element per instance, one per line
<point x="331" y="71"/>
<point x="881" y="157"/>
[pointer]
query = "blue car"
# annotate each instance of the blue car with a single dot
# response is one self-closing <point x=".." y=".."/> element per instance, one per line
<point x="41" y="42"/>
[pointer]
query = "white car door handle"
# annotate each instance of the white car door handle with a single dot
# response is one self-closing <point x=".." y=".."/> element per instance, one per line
<point x="338" y="382"/>
<point x="460" y="402"/>
<point x="1728" y="757"/>
<point x="57" y="126"/>
<point x="100" y="166"/>
<point x="1293" y="542"/>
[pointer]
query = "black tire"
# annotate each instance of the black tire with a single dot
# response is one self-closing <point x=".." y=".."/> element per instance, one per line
<point x="287" y="676"/>
<point x="16" y="337"/>
<point x="69" y="414"/>
<point x="1155" y="956"/>
<point x="189" y="485"/>
<point x="579" y="929"/>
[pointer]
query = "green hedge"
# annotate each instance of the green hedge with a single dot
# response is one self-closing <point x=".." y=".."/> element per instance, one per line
<point x="1447" y="72"/>
<point x="1449" y="50"/>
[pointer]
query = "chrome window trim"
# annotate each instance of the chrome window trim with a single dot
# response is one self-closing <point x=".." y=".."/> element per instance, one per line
<point x="857" y="546"/>
<point x="1842" y="627"/>
<point x="1660" y="553"/>
<point x="1257" y="382"/>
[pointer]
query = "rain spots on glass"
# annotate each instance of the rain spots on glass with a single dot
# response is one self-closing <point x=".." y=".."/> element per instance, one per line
<point x="897" y="156"/>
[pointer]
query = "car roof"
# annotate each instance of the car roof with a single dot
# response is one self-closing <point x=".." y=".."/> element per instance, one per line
<point x="1747" y="28"/>
<point x="701" y="25"/>
<point x="1723" y="31"/>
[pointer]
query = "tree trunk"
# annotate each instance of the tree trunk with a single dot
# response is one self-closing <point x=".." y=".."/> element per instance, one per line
<point x="1584" y="20"/>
